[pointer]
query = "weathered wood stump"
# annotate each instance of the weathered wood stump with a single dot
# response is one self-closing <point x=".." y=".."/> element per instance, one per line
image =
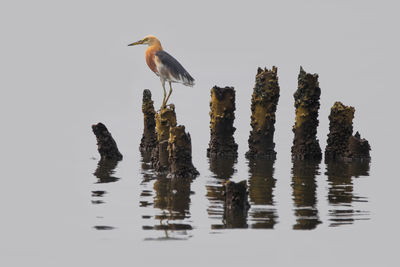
<point x="340" y="130"/>
<point x="180" y="154"/>
<point x="358" y="148"/>
<point x="236" y="204"/>
<point x="305" y="142"/>
<point x="106" y="144"/>
<point x="264" y="102"/>
<point x="341" y="144"/>
<point x="222" y="115"/>
<point x="165" y="119"/>
<point x="149" y="138"/>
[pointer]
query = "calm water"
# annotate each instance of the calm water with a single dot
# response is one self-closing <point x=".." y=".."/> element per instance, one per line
<point x="65" y="65"/>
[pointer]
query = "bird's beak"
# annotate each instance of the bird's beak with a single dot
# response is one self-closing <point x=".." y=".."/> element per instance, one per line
<point x="136" y="43"/>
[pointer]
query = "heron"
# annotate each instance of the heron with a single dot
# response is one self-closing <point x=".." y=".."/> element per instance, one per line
<point x="164" y="65"/>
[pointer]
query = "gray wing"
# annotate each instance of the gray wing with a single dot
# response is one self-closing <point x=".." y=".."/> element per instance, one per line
<point x="174" y="68"/>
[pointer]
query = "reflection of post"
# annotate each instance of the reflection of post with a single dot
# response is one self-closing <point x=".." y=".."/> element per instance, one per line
<point x="304" y="194"/>
<point x="173" y="197"/>
<point x="305" y="142"/>
<point x="222" y="167"/>
<point x="263" y="107"/>
<point x="222" y="115"/>
<point x="105" y="170"/>
<point x="340" y="194"/>
<point x="261" y="186"/>
<point x="236" y="204"/>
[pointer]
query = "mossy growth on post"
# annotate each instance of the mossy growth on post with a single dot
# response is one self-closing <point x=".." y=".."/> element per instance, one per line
<point x="106" y="144"/>
<point x="264" y="102"/>
<point x="180" y="154"/>
<point x="305" y="142"/>
<point x="149" y="138"/>
<point x="222" y="115"/>
<point x="340" y="130"/>
<point x="165" y="119"/>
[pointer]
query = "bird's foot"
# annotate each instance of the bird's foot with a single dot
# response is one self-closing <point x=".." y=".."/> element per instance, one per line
<point x="170" y="106"/>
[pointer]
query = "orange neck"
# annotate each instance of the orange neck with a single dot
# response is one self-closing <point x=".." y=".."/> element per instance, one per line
<point x="150" y="55"/>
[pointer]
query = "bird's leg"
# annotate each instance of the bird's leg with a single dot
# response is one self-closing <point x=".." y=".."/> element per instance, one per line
<point x="165" y="93"/>
<point x="169" y="94"/>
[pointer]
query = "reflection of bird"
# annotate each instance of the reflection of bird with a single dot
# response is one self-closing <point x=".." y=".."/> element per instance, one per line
<point x="164" y="65"/>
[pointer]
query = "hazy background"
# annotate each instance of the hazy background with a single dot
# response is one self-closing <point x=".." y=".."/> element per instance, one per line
<point x="65" y="65"/>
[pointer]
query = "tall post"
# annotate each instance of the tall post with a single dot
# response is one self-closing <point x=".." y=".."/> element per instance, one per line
<point x="222" y="115"/>
<point x="149" y="138"/>
<point x="165" y="119"/>
<point x="264" y="102"/>
<point x="305" y="143"/>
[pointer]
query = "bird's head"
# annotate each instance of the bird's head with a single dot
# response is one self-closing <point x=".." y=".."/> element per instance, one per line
<point x="149" y="40"/>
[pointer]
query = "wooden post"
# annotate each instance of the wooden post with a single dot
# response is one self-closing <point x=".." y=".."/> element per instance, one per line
<point x="264" y="102"/>
<point x="165" y="119"/>
<point x="149" y="138"/>
<point x="106" y="144"/>
<point x="341" y="144"/>
<point x="305" y="143"/>
<point x="180" y="154"/>
<point x="340" y="130"/>
<point x="222" y="115"/>
<point x="358" y="148"/>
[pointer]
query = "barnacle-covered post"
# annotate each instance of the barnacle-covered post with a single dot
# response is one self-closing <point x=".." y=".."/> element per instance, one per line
<point x="264" y="102"/>
<point x="305" y="143"/>
<point x="222" y="115"/>
<point x="340" y="130"/>
<point x="165" y="119"/>
<point x="106" y="144"/>
<point x="341" y="144"/>
<point x="180" y="154"/>
<point x="358" y="148"/>
<point x="149" y="138"/>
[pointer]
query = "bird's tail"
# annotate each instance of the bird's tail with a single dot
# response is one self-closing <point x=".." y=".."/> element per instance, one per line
<point x="187" y="79"/>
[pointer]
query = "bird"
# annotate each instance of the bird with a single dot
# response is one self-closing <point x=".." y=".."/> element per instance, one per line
<point x="164" y="65"/>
